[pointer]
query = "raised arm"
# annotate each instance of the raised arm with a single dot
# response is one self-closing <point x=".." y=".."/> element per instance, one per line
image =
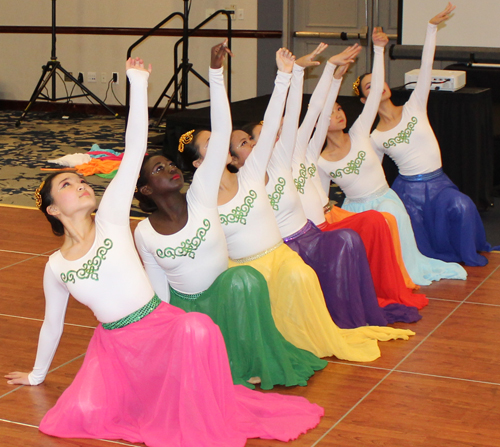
<point x="363" y="124"/>
<point x="115" y="203"/>
<point x="56" y="302"/>
<point x="422" y="89"/>
<point x="318" y="99"/>
<point x="342" y="61"/>
<point x="257" y="161"/>
<point x="207" y="178"/>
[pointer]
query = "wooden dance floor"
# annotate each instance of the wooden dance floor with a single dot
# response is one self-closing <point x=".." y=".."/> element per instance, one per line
<point x="441" y="388"/>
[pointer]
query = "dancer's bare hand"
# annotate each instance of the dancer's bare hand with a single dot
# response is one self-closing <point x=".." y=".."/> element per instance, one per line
<point x="379" y="38"/>
<point x="308" y="60"/>
<point x="347" y="57"/>
<point x="218" y="54"/>
<point x="17" y="378"/>
<point x="137" y="63"/>
<point x="285" y="60"/>
<point x="443" y="15"/>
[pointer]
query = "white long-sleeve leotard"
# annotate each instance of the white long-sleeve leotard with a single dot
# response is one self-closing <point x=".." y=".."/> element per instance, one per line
<point x="247" y="219"/>
<point x="280" y="188"/>
<point x="307" y="149"/>
<point x="360" y="172"/>
<point x="109" y="279"/>
<point x="191" y="259"/>
<point x="412" y="143"/>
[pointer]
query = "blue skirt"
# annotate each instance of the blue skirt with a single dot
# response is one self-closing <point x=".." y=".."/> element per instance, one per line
<point x="339" y="259"/>
<point x="422" y="270"/>
<point x="446" y="222"/>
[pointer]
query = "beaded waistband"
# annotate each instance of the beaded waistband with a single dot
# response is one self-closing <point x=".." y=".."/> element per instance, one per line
<point x="185" y="296"/>
<point x="422" y="177"/>
<point x="378" y="193"/>
<point x="299" y="233"/>
<point x="139" y="314"/>
<point x="258" y="255"/>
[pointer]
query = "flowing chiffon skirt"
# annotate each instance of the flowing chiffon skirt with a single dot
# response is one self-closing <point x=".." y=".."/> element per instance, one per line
<point x="337" y="214"/>
<point x="238" y="302"/>
<point x="423" y="270"/>
<point x="387" y="277"/>
<point x="301" y="315"/>
<point x="446" y="222"/>
<point x="165" y="380"/>
<point x="339" y="259"/>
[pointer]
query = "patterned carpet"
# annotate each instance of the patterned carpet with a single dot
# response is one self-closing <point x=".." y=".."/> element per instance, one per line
<point x="25" y="150"/>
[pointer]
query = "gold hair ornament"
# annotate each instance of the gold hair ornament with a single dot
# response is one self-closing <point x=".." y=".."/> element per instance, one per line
<point x="355" y="86"/>
<point x="38" y="196"/>
<point x="185" y="139"/>
<point x="262" y="123"/>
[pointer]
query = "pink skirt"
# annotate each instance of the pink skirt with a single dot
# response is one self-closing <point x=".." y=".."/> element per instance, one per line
<point x="165" y="380"/>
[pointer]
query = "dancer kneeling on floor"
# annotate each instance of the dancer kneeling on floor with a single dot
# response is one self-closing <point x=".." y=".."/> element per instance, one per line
<point x="446" y="222"/>
<point x="152" y="373"/>
<point x="182" y="244"/>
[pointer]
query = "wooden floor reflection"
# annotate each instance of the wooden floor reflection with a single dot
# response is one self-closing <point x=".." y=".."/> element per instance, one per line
<point x="440" y="388"/>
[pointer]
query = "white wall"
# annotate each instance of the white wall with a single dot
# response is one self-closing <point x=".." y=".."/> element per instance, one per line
<point x="474" y="23"/>
<point x="24" y="54"/>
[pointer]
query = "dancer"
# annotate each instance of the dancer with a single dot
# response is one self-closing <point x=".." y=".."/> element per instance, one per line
<point x="349" y="160"/>
<point x="253" y="238"/>
<point x="446" y="222"/>
<point x="183" y="235"/>
<point x="152" y="373"/>
<point x="338" y="257"/>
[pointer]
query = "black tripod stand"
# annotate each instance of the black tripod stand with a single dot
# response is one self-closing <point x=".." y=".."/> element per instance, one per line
<point x="49" y="73"/>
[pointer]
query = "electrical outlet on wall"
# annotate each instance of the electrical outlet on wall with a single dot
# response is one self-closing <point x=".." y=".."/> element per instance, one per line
<point x="229" y="8"/>
<point x="116" y="79"/>
<point x="92" y="76"/>
<point x="104" y="77"/>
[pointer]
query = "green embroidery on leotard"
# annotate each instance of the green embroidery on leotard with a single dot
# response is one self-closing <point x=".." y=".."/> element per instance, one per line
<point x="311" y="170"/>
<point x="352" y="166"/>
<point x="187" y="247"/>
<point x="301" y="180"/>
<point x="239" y="214"/>
<point x="403" y="136"/>
<point x="275" y="197"/>
<point x="91" y="267"/>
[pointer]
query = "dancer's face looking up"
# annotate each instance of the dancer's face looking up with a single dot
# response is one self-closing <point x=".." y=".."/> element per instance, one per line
<point x="70" y="194"/>
<point x="241" y="146"/>
<point x="162" y="176"/>
<point x="338" y="120"/>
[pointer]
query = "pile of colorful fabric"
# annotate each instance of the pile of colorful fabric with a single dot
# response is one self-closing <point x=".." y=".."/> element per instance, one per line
<point x="101" y="162"/>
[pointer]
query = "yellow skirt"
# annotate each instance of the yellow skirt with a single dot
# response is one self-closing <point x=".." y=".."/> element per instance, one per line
<point x="301" y="315"/>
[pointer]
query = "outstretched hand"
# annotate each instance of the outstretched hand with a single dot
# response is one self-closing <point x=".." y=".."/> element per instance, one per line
<point x="308" y="60"/>
<point x="379" y="38"/>
<point x="218" y="54"/>
<point x="285" y="60"/>
<point x="347" y="57"/>
<point x="17" y="378"/>
<point x="138" y="64"/>
<point x="444" y="15"/>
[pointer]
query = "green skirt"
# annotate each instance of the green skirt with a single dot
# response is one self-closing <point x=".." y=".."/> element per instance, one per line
<point x="238" y="302"/>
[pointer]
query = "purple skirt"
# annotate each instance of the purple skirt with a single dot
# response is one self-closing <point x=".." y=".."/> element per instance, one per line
<point x="446" y="222"/>
<point x="339" y="259"/>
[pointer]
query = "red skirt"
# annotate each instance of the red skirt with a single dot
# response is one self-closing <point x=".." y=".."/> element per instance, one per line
<point x="387" y="277"/>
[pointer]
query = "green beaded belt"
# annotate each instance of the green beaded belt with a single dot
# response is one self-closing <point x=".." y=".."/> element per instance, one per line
<point x="185" y="296"/>
<point x="139" y="314"/>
